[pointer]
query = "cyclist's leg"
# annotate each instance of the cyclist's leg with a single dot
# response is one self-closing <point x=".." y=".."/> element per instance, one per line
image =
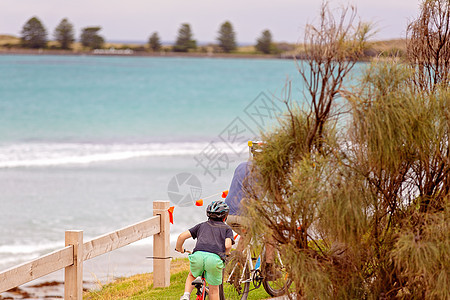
<point x="239" y="225"/>
<point x="196" y="266"/>
<point x="270" y="249"/>
<point x="276" y="277"/>
<point x="213" y="292"/>
<point x="188" y="287"/>
<point x="271" y="272"/>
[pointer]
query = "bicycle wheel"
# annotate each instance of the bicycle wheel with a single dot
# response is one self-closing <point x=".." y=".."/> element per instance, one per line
<point x="276" y="281"/>
<point x="236" y="278"/>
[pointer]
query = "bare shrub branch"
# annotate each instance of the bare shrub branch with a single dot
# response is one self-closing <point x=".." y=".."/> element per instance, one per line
<point x="428" y="44"/>
<point x="331" y="50"/>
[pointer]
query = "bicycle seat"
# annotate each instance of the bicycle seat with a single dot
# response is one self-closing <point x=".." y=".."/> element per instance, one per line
<point x="197" y="281"/>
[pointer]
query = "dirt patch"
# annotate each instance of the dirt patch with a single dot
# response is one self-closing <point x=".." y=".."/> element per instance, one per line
<point x="16" y="293"/>
<point x="44" y="290"/>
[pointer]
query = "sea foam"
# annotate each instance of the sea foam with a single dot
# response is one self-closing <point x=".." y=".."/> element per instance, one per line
<point x="54" y="154"/>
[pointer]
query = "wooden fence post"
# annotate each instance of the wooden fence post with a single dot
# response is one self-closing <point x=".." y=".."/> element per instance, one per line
<point x="161" y="246"/>
<point x="73" y="275"/>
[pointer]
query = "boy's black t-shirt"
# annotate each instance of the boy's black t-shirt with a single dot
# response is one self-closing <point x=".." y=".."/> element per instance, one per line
<point x="211" y="237"/>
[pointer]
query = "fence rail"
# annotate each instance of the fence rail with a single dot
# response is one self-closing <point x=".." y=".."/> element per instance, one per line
<point x="72" y="256"/>
<point x="117" y="239"/>
<point x="34" y="269"/>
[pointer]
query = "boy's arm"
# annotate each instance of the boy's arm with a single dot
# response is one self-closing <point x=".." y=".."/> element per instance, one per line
<point x="228" y="244"/>
<point x="180" y="241"/>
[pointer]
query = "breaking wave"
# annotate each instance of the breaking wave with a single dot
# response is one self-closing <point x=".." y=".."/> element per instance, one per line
<point x="54" y="154"/>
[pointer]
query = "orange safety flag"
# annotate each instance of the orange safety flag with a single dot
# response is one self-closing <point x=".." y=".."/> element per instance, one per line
<point x="199" y="202"/>
<point x="224" y="194"/>
<point x="170" y="210"/>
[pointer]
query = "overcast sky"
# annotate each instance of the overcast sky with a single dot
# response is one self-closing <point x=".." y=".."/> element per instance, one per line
<point x="135" y="20"/>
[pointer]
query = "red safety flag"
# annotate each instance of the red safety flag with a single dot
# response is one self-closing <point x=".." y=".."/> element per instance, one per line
<point x="224" y="194"/>
<point x="199" y="202"/>
<point x="170" y="210"/>
<point x="235" y="237"/>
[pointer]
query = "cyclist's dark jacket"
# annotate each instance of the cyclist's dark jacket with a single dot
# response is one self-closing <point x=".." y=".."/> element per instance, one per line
<point x="211" y="237"/>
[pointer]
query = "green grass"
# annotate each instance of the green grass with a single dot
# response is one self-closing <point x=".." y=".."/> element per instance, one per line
<point x="256" y="294"/>
<point x="141" y="286"/>
<point x="174" y="291"/>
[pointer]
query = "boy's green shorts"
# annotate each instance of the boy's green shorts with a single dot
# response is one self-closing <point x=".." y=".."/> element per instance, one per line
<point x="211" y="263"/>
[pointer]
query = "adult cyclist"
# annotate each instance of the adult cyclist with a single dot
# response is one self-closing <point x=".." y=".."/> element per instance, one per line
<point x="242" y="185"/>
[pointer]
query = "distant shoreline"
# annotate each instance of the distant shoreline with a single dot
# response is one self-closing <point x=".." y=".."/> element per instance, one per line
<point x="10" y="45"/>
<point x="141" y="54"/>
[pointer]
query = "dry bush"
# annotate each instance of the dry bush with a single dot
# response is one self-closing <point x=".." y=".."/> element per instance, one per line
<point x="358" y="202"/>
<point x="400" y="146"/>
<point x="428" y="44"/>
<point x="331" y="50"/>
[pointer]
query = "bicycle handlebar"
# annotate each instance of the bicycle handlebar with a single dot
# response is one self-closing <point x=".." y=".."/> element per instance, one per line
<point x="185" y="251"/>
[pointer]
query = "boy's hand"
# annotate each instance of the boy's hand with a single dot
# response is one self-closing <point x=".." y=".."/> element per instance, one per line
<point x="179" y="250"/>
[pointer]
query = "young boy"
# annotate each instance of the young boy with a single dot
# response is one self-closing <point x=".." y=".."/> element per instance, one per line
<point x="214" y="241"/>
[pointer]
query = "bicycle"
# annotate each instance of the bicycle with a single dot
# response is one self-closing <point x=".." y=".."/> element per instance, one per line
<point x="240" y="273"/>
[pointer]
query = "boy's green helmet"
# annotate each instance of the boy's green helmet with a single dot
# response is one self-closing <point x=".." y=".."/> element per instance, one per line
<point x="217" y="210"/>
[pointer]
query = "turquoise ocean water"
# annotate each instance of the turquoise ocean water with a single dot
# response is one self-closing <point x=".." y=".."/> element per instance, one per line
<point x="89" y="142"/>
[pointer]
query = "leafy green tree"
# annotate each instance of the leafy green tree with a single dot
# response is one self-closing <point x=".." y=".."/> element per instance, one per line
<point x="64" y="34"/>
<point x="90" y="38"/>
<point x="184" y="40"/>
<point x="227" y="37"/>
<point x="154" y="42"/>
<point x="264" y="42"/>
<point x="34" y="34"/>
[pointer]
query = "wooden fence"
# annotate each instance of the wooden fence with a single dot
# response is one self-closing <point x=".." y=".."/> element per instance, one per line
<point x="71" y="257"/>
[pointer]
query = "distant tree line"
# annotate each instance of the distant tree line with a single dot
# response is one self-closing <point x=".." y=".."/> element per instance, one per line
<point x="34" y="35"/>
